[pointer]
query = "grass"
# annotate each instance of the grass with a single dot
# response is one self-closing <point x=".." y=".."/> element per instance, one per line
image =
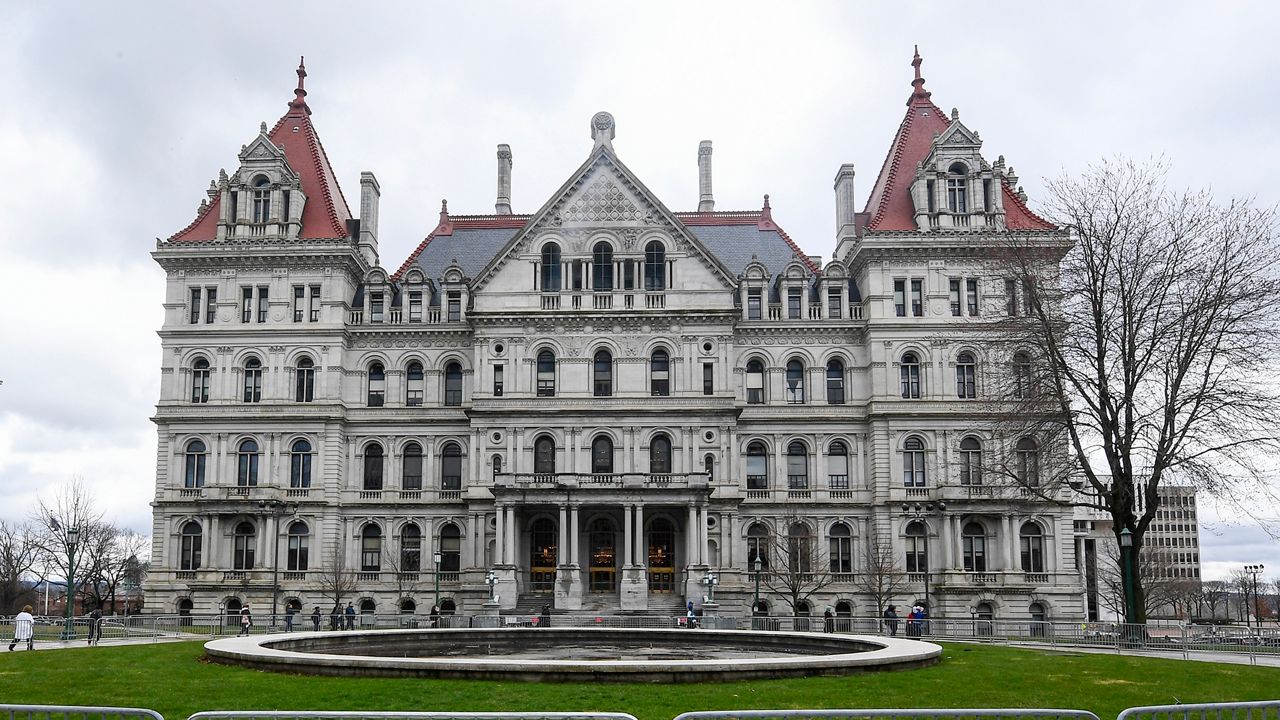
<point x="173" y="679"/>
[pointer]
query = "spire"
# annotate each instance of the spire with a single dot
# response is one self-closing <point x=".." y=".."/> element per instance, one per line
<point x="446" y="225"/>
<point x="299" y="102"/>
<point x="766" y="216"/>
<point x="918" y="82"/>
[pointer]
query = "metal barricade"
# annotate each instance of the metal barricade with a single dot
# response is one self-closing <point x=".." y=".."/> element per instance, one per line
<point x="1263" y="710"/>
<point x="896" y="714"/>
<point x="356" y="715"/>
<point x="75" y="712"/>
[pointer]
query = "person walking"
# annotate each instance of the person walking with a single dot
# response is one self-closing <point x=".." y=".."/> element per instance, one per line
<point x="246" y="620"/>
<point x="828" y="621"/>
<point x="24" y="626"/>
<point x="95" y="626"/>
<point x="433" y="618"/>
<point x="891" y="620"/>
<point x="544" y="620"/>
<point x="289" y="612"/>
<point x="315" y="619"/>
<point x="335" y="616"/>
<point x="351" y="616"/>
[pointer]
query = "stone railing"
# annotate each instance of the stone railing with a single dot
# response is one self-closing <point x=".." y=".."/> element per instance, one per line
<point x="600" y="480"/>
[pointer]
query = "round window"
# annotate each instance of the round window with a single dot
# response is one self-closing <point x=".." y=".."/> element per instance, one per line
<point x="706" y="346"/>
<point x="498" y="348"/>
<point x="709" y="436"/>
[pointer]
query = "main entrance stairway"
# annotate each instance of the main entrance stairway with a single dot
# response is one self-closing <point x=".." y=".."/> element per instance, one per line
<point x="599" y="604"/>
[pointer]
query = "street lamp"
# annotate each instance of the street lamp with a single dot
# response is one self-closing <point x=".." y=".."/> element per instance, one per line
<point x="490" y="579"/>
<point x="1126" y="575"/>
<point x="1254" y="571"/>
<point x="275" y="509"/>
<point x="436" y="557"/>
<point x="918" y="511"/>
<point x="73" y="536"/>
<point x="757" y="565"/>
<point x="711" y="580"/>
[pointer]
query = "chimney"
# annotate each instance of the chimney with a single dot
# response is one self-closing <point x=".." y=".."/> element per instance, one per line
<point x="369" y="195"/>
<point x="845" y="209"/>
<point x="706" y="201"/>
<point x="503" y="205"/>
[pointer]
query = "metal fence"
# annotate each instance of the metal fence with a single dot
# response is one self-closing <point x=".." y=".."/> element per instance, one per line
<point x="895" y="714"/>
<point x="1266" y="710"/>
<point x="75" y="712"/>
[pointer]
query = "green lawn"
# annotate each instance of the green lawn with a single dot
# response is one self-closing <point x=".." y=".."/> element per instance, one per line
<point x="172" y="679"/>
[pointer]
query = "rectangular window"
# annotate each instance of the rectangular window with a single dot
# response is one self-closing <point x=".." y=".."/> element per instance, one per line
<point x="1028" y="295"/>
<point x="299" y="297"/>
<point x="263" y="305"/>
<point x="497" y="381"/>
<point x="986" y="195"/>
<point x="971" y="296"/>
<point x="455" y="306"/>
<point x="628" y="275"/>
<point x="954" y="289"/>
<point x="793" y="303"/>
<point x="708" y="378"/>
<point x="375" y="307"/>
<point x="210" y="304"/>
<point x="753" y="303"/>
<point x="928" y="191"/>
<point x="415" y="307"/>
<point x="577" y="274"/>
<point x="195" y="305"/>
<point x="315" y="303"/>
<point x="1010" y="297"/>
<point x="834" y="304"/>
<point x="900" y="298"/>
<point x="917" y="298"/>
<point x="246" y="304"/>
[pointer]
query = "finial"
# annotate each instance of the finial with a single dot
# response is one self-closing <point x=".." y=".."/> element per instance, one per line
<point x="918" y="82"/>
<point x="445" y="227"/>
<point x="602" y="129"/>
<point x="766" y="216"/>
<point x="262" y="127"/>
<point x="299" y="101"/>
<point x="955" y="113"/>
<point x="444" y="209"/>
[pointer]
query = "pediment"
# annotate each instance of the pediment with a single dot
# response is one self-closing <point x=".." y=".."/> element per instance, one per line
<point x="958" y="136"/>
<point x="262" y="150"/>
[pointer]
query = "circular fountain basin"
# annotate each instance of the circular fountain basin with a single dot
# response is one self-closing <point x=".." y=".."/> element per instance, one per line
<point x="568" y="654"/>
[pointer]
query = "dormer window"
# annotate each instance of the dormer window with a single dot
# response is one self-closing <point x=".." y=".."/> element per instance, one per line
<point x="551" y="268"/>
<point x="375" y="307"/>
<point x="957" y="188"/>
<point x="261" y="199"/>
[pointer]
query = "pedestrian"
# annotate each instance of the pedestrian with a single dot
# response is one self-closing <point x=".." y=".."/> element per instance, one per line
<point x="335" y="616"/>
<point x="24" y="626"/>
<point x="315" y="619"/>
<point x="433" y="617"/>
<point x="289" y="612"/>
<point x="95" y="626"/>
<point x="246" y="620"/>
<point x="351" y="616"/>
<point x="690" y="617"/>
<point x="828" y="621"/>
<point x="544" y="620"/>
<point x="913" y="622"/>
<point x="891" y="620"/>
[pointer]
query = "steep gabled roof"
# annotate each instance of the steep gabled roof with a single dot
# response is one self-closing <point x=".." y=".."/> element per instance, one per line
<point x="326" y="212"/>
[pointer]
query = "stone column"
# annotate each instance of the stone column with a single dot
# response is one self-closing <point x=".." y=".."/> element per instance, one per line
<point x="628" y="537"/>
<point x="691" y="537"/>
<point x="702" y="536"/>
<point x="511" y="535"/>
<point x="500" y="541"/>
<point x="573" y="534"/>
<point x="561" y="556"/>
<point x="642" y="555"/>
<point x="1005" y="534"/>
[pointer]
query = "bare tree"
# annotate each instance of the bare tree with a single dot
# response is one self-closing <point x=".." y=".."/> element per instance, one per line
<point x="19" y="558"/>
<point x="1162" y="588"/>
<point x="882" y="577"/>
<point x="72" y="507"/>
<point x="405" y="566"/>
<point x="798" y="565"/>
<point x="112" y="554"/>
<point x="1139" y="343"/>
<point x="335" y="579"/>
<point x="1214" y="593"/>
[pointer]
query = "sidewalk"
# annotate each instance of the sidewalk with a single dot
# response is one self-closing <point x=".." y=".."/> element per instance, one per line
<point x="1229" y="658"/>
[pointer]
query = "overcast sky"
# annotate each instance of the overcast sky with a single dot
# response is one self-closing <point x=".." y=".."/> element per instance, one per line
<point x="114" y="117"/>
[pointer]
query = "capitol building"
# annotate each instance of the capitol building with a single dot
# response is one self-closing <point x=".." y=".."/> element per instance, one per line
<point x="615" y="403"/>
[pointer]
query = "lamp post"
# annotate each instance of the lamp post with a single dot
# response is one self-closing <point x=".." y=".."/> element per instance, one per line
<point x="1126" y="574"/>
<point x="73" y="537"/>
<point x="711" y="580"/>
<point x="490" y="579"/>
<point x="756" y="565"/>
<point x="275" y="509"/>
<point x="919" y="511"/>
<point x="1253" y="571"/>
<point x="436" y="558"/>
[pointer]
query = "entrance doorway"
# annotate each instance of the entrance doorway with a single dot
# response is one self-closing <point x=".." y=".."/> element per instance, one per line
<point x="602" y="539"/>
<point x="543" y="555"/>
<point x="662" y="558"/>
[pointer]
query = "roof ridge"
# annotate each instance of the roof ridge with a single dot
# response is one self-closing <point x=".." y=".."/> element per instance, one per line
<point x="208" y="208"/>
<point x="413" y="256"/>
<point x="1031" y="216"/>
<point x="893" y="160"/>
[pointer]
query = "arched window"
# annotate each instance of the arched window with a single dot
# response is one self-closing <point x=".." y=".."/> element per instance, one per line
<point x="1028" y="462"/>
<point x="305" y="381"/>
<point x="261" y="199"/>
<point x="200" y="381"/>
<point x="913" y="474"/>
<point x="450" y="548"/>
<point x="243" y="543"/>
<point x="660" y="373"/>
<point x="838" y="466"/>
<point x="247" y="464"/>
<point x="840" y="548"/>
<point x="411" y="478"/>
<point x="909" y="372"/>
<point x="795" y="381"/>
<point x="1021" y="376"/>
<point x="655" y="266"/>
<point x="797" y="466"/>
<point x="957" y="188"/>
<point x="497" y="466"/>
<point x="408" y="607"/>
<point x="551" y="268"/>
<point x="410" y="548"/>
<point x="377" y="385"/>
<point x="453" y="384"/>
<point x="755" y="382"/>
<point x="546" y="374"/>
<point x="757" y="467"/>
<point x="373" y="466"/>
<point x="844" y="610"/>
<point x="660" y="455"/>
<point x="966" y="376"/>
<point x="185" y="606"/>
<point x="917" y="542"/>
<point x="602" y="266"/>
<point x="300" y="464"/>
<point x="974" y="539"/>
<point x="544" y="455"/>
<point x="758" y="546"/>
<point x="984" y="613"/>
<point x="191" y="546"/>
<point x="414" y="384"/>
<point x="448" y="606"/>
<point x="799" y="549"/>
<point x="602" y="455"/>
<point x="709" y="467"/>
<point x="602" y="374"/>
<point x="1031" y="538"/>
<point x="370" y="548"/>
<point x="1038" y="614"/>
<point x="195" y="458"/>
<point x="451" y="467"/>
<point x="970" y="461"/>
<point x="835" y="382"/>
<point x="253" y="380"/>
<point x="297" y="560"/>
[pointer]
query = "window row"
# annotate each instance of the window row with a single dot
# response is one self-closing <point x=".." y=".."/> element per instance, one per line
<point x="248" y="458"/>
<point x="254" y="304"/>
<point x="304" y="376"/>
<point x="966" y="376"/>
<point x="797" y="466"/>
<point x="601" y="272"/>
<point x="794" y="382"/>
<point x="1025" y="468"/>
<point x="964" y="296"/>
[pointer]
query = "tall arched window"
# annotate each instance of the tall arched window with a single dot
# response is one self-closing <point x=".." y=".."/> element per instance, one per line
<point x="247" y="464"/>
<point x="546" y="374"/>
<point x="660" y="373"/>
<point x="797" y="466"/>
<point x="195" y="459"/>
<point x="1021" y="376"/>
<point x="373" y="457"/>
<point x="1028" y="462"/>
<point x="410" y="548"/>
<point x="300" y="464"/>
<point x="414" y="384"/>
<point x="297" y="559"/>
<point x="453" y="384"/>
<point x="838" y="466"/>
<point x="305" y="381"/>
<point x="916" y="541"/>
<point x="411" y="478"/>
<point x="243" y="543"/>
<point x="377" y="385"/>
<point x="200" y="381"/>
<point x="966" y="376"/>
<point x="261" y="199"/>
<point x="909" y="371"/>
<point x="602" y="266"/>
<point x="655" y="266"/>
<point x="497" y="466"/>
<point x="602" y="374"/>
<point x="755" y="382"/>
<point x="253" y="380"/>
<point x="970" y="461"/>
<point x="451" y="467"/>
<point x="799" y="549"/>
<point x="370" y="548"/>
<point x="660" y="455"/>
<point x="840" y="548"/>
<point x="957" y="188"/>
<point x="974" y="540"/>
<point x="758" y="546"/>
<point x="795" y="381"/>
<point x="757" y="467"/>
<point x="544" y="455"/>
<point x="709" y="467"/>
<point x="1031" y="539"/>
<point x="190" y="547"/>
<point x="551" y="268"/>
<point x="835" y="382"/>
<point x="602" y="455"/>
<point x="913" y="474"/>
<point x="450" y="548"/>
